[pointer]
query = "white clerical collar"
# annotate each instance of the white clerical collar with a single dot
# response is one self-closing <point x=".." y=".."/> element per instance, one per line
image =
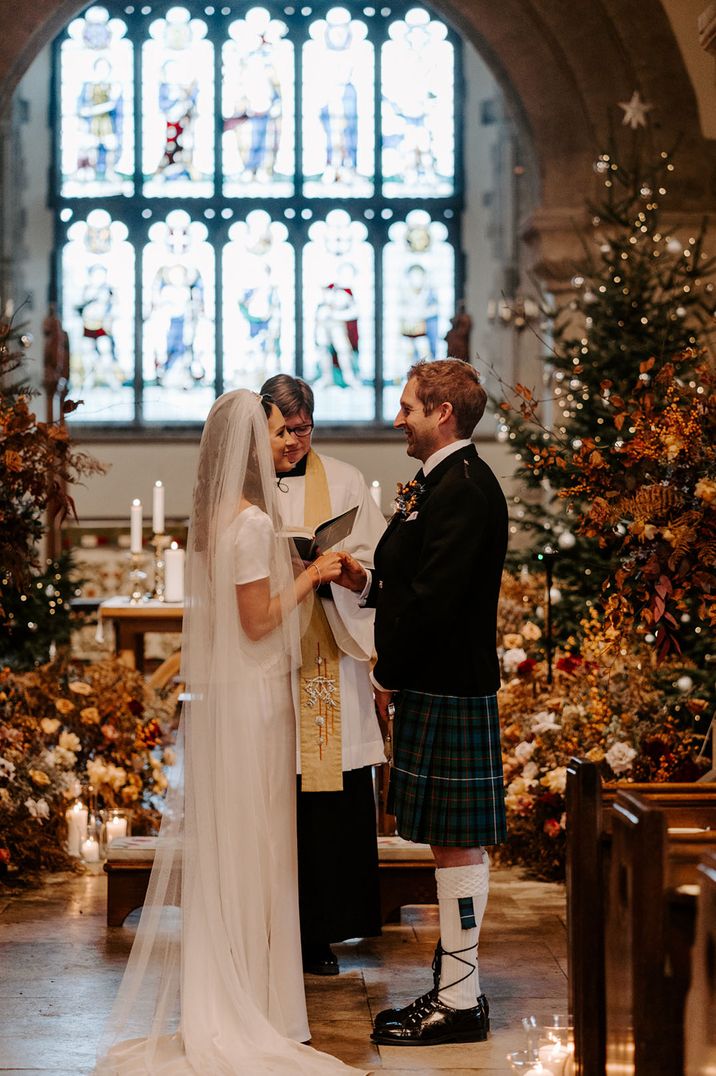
<point x="443" y="453"/>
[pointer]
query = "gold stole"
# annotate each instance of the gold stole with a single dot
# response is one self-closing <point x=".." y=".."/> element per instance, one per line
<point x="320" y="696"/>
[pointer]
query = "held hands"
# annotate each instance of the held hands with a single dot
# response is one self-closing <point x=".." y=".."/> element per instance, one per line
<point x="325" y="569"/>
<point x="353" y="575"/>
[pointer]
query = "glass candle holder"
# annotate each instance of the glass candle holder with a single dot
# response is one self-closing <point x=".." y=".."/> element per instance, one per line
<point x="116" y="824"/>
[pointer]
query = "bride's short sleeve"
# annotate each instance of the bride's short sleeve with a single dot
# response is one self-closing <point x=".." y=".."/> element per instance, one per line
<point x="253" y="546"/>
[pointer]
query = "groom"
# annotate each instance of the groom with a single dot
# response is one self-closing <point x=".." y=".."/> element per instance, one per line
<point x="435" y="587"/>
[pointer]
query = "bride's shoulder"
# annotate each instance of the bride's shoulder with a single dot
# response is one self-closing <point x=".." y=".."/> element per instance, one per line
<point x="253" y="517"/>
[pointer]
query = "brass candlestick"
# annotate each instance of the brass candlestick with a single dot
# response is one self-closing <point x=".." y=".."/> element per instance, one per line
<point x="160" y="543"/>
<point x="137" y="578"/>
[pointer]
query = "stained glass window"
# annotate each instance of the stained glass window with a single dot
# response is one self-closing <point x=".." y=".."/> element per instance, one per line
<point x="339" y="348"/>
<point x="338" y="126"/>
<point x="98" y="314"/>
<point x="246" y="190"/>
<point x="259" y="301"/>
<point x="178" y="319"/>
<point x="418" y="108"/>
<point x="97" y="96"/>
<point x="258" y="108"/>
<point x="418" y="298"/>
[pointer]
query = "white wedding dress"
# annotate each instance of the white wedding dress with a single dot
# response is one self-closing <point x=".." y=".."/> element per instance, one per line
<point x="214" y="983"/>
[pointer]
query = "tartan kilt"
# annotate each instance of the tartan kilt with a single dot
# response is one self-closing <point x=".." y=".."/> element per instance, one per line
<point x="446" y="783"/>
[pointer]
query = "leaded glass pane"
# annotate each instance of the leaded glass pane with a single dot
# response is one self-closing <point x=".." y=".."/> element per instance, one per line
<point x="258" y="274"/>
<point x="178" y="334"/>
<point x="97" y="95"/>
<point x="418" y="151"/>
<point x="178" y="108"/>
<point x="258" y="108"/>
<point x="337" y="108"/>
<point x="338" y="344"/>
<point x="98" y="315"/>
<point x="418" y="299"/>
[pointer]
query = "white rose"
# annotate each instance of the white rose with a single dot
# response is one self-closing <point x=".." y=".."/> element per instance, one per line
<point x="518" y="787"/>
<point x="38" y="808"/>
<point x="620" y="757"/>
<point x="7" y="768"/>
<point x="116" y="777"/>
<point x="69" y="741"/>
<point x="530" y="771"/>
<point x="97" y="772"/>
<point x="555" y="780"/>
<point x="512" y="658"/>
<point x="63" y="758"/>
<point x="545" y="721"/>
<point x="524" y="751"/>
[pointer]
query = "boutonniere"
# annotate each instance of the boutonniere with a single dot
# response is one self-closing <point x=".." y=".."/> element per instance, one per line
<point x="408" y="496"/>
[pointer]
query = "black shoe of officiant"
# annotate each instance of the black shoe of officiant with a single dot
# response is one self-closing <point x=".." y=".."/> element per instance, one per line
<point x="391" y="1017"/>
<point x="320" y="960"/>
<point x="427" y="1022"/>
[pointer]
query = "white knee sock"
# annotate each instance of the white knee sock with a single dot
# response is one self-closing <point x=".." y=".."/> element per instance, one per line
<point x="459" y="981"/>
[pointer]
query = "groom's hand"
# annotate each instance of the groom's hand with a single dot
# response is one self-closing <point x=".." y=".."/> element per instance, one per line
<point x="353" y="575"/>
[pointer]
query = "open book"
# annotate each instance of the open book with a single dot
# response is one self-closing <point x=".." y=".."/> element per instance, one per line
<point x="310" y="544"/>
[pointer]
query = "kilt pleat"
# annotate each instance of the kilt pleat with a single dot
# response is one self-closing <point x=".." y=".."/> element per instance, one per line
<point x="447" y="785"/>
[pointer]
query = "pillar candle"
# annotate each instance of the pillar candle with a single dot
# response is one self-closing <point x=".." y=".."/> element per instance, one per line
<point x="158" y="508"/>
<point x="76" y="818"/>
<point x="376" y="493"/>
<point x="135" y="526"/>
<point x="174" y="574"/>
<point x="90" y="850"/>
<point x="116" y="827"/>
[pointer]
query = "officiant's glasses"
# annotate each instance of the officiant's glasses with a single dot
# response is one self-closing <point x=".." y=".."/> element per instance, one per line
<point x="300" y="431"/>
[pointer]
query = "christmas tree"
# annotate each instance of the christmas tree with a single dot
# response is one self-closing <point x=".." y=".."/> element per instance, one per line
<point x="640" y="294"/>
<point x="37" y="465"/>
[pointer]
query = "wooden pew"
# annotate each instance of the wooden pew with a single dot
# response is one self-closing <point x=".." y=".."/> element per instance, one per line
<point x="700" y="1012"/>
<point x="589" y="814"/>
<point x="649" y="928"/>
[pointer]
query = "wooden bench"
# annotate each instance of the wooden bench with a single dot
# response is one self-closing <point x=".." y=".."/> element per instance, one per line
<point x="406" y="875"/>
<point x="649" y="929"/>
<point x="589" y="826"/>
<point x="700" y="1012"/>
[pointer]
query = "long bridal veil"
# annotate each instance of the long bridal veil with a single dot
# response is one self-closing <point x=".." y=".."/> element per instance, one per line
<point x="214" y="982"/>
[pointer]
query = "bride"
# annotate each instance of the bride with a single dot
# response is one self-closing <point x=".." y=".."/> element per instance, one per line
<point x="214" y="981"/>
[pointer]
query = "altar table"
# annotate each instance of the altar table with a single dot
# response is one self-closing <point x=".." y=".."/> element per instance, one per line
<point x="133" y="622"/>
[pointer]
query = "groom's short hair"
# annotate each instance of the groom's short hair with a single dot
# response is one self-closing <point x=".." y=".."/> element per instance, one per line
<point x="290" y="394"/>
<point x="451" y="381"/>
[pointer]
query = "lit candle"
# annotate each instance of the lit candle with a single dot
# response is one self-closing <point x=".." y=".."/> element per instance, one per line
<point x="174" y="574"/>
<point x="76" y="818"/>
<point x="135" y="526"/>
<point x="376" y="493"/>
<point x="116" y="827"/>
<point x="553" y="1056"/>
<point x="158" y="508"/>
<point x="90" y="850"/>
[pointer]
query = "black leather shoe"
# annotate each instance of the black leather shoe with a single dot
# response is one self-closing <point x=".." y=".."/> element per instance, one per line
<point x="395" y="1016"/>
<point x="320" y="960"/>
<point x="432" y="1023"/>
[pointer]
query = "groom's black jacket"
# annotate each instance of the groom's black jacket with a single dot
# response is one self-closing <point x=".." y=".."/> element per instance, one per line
<point x="437" y="581"/>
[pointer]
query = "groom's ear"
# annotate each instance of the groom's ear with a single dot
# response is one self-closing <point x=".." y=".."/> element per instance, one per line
<point x="446" y="412"/>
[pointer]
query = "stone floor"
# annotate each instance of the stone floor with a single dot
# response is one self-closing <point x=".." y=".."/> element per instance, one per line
<point x="59" y="969"/>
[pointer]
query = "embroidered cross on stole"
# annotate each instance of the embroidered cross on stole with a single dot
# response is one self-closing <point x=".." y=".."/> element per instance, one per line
<point x="320" y="696"/>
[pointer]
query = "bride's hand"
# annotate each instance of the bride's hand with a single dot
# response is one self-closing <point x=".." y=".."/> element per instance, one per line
<point x="327" y="568"/>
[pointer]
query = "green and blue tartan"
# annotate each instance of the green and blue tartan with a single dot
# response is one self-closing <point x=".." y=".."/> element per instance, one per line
<point x="446" y="784"/>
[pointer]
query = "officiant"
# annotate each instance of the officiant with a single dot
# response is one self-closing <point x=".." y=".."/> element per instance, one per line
<point x="339" y="737"/>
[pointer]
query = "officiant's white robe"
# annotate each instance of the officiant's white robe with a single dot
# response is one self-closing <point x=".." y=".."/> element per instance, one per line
<point x="362" y="743"/>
